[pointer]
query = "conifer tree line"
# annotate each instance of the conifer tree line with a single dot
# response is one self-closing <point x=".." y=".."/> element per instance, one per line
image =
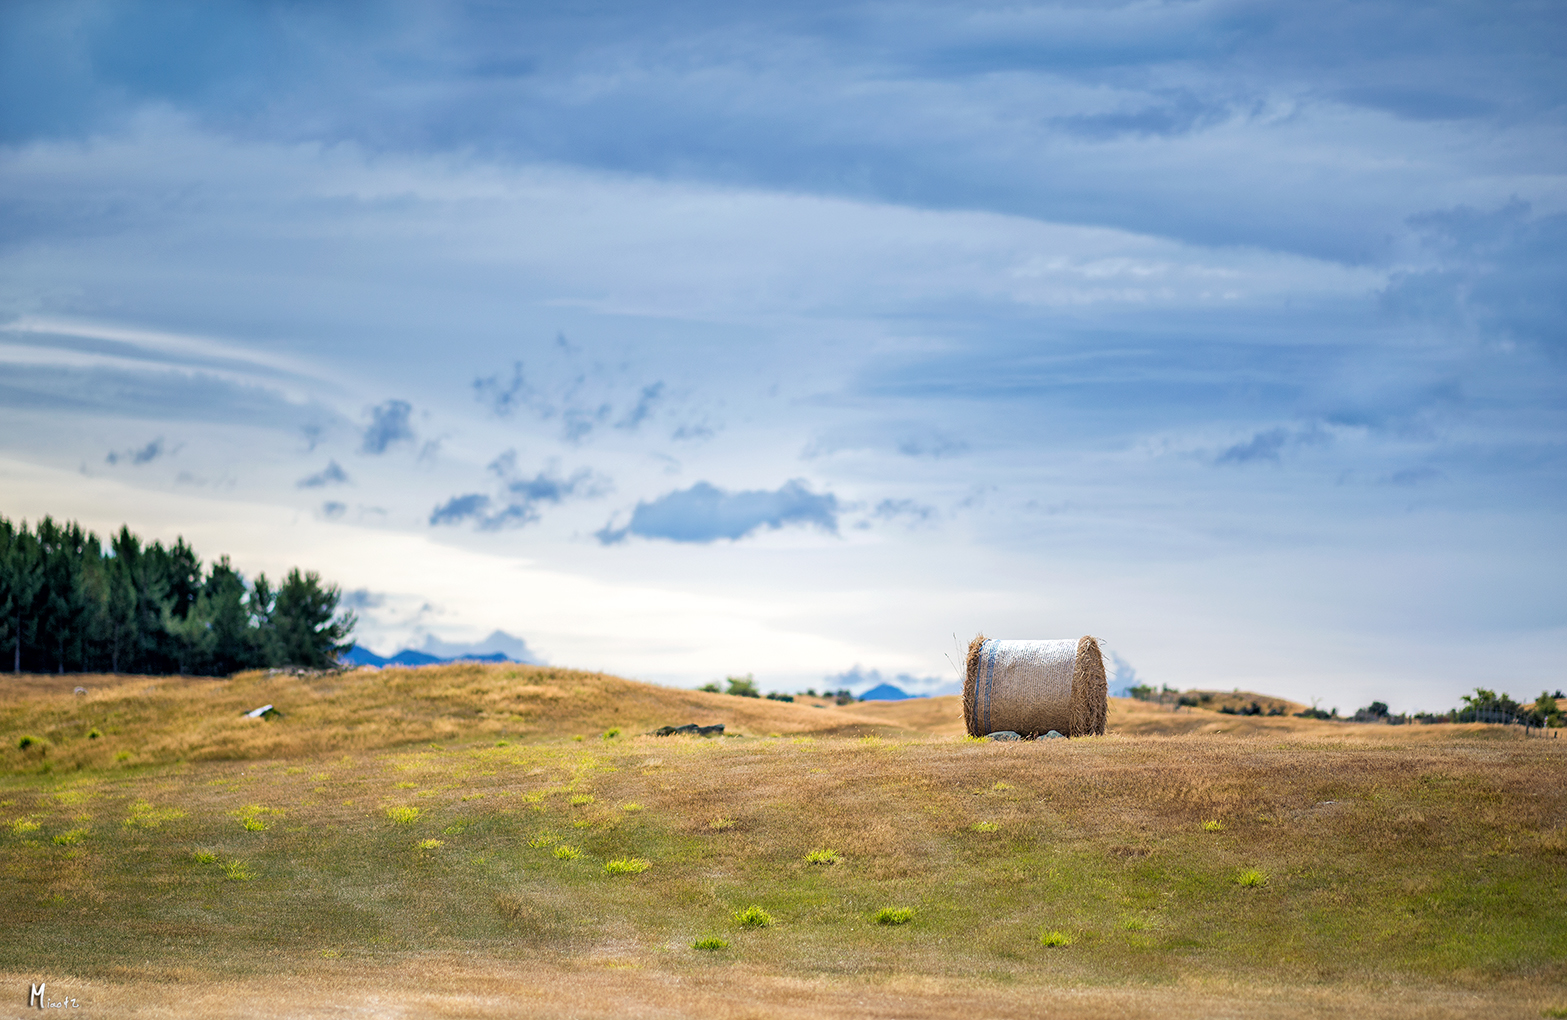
<point x="70" y="604"/>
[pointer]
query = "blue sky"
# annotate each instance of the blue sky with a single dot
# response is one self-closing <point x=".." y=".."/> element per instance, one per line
<point x="693" y="339"/>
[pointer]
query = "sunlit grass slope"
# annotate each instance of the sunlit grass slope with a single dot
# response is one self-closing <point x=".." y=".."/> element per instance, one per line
<point x="919" y="869"/>
<point x="143" y="720"/>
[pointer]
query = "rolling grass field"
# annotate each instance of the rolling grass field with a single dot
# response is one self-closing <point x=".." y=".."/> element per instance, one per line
<point x="503" y="841"/>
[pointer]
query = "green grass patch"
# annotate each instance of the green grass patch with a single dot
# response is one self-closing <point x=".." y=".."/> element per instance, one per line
<point x="753" y="917"/>
<point x="894" y="915"/>
<point x="1054" y="939"/>
<point x="1213" y="825"/>
<point x="403" y="815"/>
<point x="71" y="838"/>
<point x="430" y="844"/>
<point x="627" y="866"/>
<point x="984" y="827"/>
<point x="710" y="943"/>
<point x="565" y="852"/>
<point x="237" y="871"/>
<point x="144" y="815"/>
<point x="1250" y="878"/>
<point x="822" y="856"/>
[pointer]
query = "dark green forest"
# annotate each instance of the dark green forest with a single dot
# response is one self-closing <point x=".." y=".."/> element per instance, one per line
<point x="72" y="604"/>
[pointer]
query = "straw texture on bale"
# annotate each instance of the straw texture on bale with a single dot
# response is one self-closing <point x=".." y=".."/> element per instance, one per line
<point x="1033" y="687"/>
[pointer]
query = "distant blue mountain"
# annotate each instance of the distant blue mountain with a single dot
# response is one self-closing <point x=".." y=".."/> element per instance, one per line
<point x="498" y="647"/>
<point x="887" y="692"/>
<point x="357" y="656"/>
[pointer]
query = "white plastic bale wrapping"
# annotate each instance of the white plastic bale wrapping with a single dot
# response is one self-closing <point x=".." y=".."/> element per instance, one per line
<point x="1033" y="687"/>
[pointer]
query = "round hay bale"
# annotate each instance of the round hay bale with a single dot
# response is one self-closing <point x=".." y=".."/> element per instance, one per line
<point x="1034" y="687"/>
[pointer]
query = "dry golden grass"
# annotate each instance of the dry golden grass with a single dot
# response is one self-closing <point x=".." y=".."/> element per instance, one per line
<point x="161" y="719"/>
<point x="392" y="846"/>
<point x="612" y="986"/>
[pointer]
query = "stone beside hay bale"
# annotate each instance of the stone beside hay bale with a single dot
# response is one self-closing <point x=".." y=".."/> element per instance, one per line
<point x="1035" y="687"/>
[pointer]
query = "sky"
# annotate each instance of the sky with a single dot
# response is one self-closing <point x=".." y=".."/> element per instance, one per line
<point x="687" y="340"/>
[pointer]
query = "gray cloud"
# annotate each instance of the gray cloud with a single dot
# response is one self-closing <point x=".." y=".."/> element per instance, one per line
<point x="890" y="509"/>
<point x="332" y="510"/>
<point x="1262" y="446"/>
<point x="520" y="496"/>
<point x="705" y="513"/>
<point x="643" y="408"/>
<point x="332" y="474"/>
<point x="1268" y="445"/>
<point x="363" y="598"/>
<point x="572" y="389"/>
<point x="142" y="455"/>
<point x="388" y="424"/>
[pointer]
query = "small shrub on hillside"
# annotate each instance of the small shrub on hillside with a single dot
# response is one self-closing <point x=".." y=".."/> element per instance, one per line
<point x="567" y="853"/>
<point x="626" y="866"/>
<point x="710" y="688"/>
<point x="1212" y="825"/>
<point x="822" y="857"/>
<point x="612" y="733"/>
<point x="578" y="738"/>
<point x="743" y="686"/>
<point x="502" y="743"/>
<point x="93" y="734"/>
<point x="31" y="741"/>
<point x="403" y="815"/>
<point x="984" y="826"/>
<point x="1251" y="878"/>
<point x="710" y="942"/>
<point x="753" y="917"/>
<point x="1053" y="939"/>
<point x="894" y="915"/>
